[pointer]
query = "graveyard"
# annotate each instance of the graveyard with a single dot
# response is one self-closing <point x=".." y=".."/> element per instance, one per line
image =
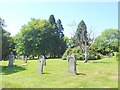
<point x="50" y="60"/>
<point x="49" y="46"/>
<point x="94" y="74"/>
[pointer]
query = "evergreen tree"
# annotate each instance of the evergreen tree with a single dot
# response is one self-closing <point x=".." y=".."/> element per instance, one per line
<point x="58" y="42"/>
<point x="60" y="28"/>
<point x="53" y="23"/>
<point x="52" y="19"/>
<point x="84" y="39"/>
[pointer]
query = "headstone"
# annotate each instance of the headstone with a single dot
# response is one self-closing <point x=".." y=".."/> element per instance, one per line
<point x="22" y="57"/>
<point x="110" y="55"/>
<point x="71" y="64"/>
<point x="25" y="60"/>
<point x="40" y="66"/>
<point x="44" y="61"/>
<point x="11" y="59"/>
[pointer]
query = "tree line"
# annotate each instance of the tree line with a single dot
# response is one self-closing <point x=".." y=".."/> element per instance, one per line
<point x="46" y="37"/>
<point x="85" y="46"/>
<point x="37" y="37"/>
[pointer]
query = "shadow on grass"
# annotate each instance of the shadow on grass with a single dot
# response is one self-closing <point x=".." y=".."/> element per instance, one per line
<point x="80" y="74"/>
<point x="46" y="73"/>
<point x="102" y="62"/>
<point x="6" y="70"/>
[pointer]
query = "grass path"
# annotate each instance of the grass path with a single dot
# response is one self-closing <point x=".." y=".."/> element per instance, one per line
<point x="94" y="74"/>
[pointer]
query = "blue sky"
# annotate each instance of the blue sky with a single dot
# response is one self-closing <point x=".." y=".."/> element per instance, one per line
<point x="98" y="15"/>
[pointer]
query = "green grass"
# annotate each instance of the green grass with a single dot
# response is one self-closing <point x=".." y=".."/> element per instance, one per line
<point x="94" y="74"/>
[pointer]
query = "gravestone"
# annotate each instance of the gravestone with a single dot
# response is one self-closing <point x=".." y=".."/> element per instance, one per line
<point x="22" y="57"/>
<point x="110" y="55"/>
<point x="40" y="65"/>
<point x="71" y="64"/>
<point x="11" y="59"/>
<point x="25" y="60"/>
<point x="44" y="61"/>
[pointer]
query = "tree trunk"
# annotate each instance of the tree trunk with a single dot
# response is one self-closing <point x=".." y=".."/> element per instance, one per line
<point x="86" y="54"/>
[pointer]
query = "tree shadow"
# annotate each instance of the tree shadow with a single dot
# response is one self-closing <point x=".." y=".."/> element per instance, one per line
<point x="46" y="73"/>
<point x="7" y="70"/>
<point x="102" y="62"/>
<point x="80" y="74"/>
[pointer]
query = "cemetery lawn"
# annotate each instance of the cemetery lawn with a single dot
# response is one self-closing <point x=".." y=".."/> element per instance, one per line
<point x="94" y="74"/>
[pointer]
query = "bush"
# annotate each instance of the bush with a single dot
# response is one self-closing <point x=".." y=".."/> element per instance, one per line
<point x="94" y="56"/>
<point x="79" y="55"/>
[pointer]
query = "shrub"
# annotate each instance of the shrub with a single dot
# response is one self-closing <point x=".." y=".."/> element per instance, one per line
<point x="94" y="56"/>
<point x="79" y="55"/>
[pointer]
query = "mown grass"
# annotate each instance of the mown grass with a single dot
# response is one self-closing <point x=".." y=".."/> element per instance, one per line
<point x="94" y="74"/>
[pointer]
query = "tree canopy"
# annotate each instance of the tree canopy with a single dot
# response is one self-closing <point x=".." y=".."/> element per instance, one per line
<point x="41" y="37"/>
<point x="6" y="40"/>
<point x="107" y="41"/>
<point x="46" y="37"/>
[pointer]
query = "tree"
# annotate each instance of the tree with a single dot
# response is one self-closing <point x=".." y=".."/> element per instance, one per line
<point x="60" y="28"/>
<point x="6" y="40"/>
<point x="110" y="37"/>
<point x="1" y="38"/>
<point x="41" y="37"/>
<point x="52" y="19"/>
<point x="59" y="45"/>
<point x="53" y="23"/>
<point x="38" y="38"/>
<point x="107" y="42"/>
<point x="84" y="39"/>
<point x="5" y="44"/>
<point x="33" y="38"/>
<point x="62" y="41"/>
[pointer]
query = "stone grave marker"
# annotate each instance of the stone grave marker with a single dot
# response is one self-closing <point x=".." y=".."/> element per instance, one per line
<point x="71" y="64"/>
<point x="44" y="61"/>
<point x="110" y="55"/>
<point x="25" y="60"/>
<point x="11" y="59"/>
<point x="22" y="57"/>
<point x="40" y="65"/>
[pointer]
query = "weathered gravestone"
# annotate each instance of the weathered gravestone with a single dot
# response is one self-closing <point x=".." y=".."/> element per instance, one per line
<point x="110" y="55"/>
<point x="40" y="65"/>
<point x="44" y="61"/>
<point x="25" y="60"/>
<point x="22" y="57"/>
<point x="71" y="64"/>
<point x="11" y="59"/>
